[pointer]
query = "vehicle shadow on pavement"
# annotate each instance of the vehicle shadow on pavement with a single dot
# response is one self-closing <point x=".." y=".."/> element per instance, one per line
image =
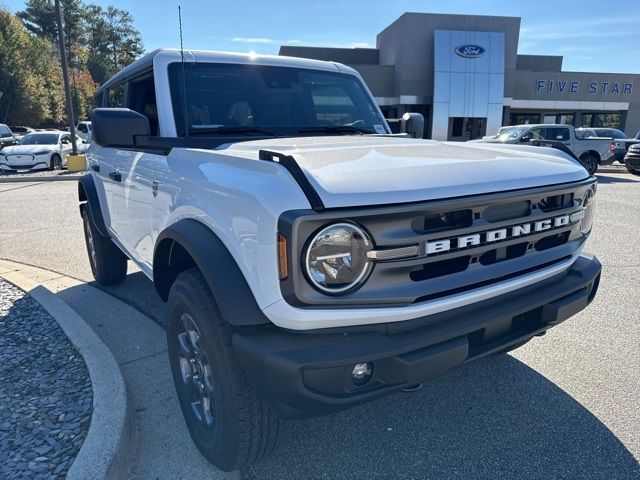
<point x="610" y="179"/>
<point x="495" y="418"/>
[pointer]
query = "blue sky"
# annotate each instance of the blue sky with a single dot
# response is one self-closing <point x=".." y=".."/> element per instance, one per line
<point x="591" y="35"/>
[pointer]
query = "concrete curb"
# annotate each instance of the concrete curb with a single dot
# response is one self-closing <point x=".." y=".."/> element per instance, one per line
<point x="48" y="178"/>
<point x="104" y="453"/>
<point x="613" y="170"/>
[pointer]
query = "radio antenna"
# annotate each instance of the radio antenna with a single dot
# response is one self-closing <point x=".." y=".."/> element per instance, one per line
<point x="185" y="109"/>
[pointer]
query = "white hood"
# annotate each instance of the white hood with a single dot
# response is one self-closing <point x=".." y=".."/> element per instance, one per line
<point x="27" y="149"/>
<point x="352" y="171"/>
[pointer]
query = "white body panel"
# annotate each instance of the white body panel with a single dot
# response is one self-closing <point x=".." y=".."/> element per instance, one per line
<point x="240" y="197"/>
<point x="349" y="171"/>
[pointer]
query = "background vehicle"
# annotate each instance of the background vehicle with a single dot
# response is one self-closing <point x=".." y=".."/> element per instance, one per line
<point x="83" y="131"/>
<point x="309" y="259"/>
<point x="591" y="152"/>
<point x="632" y="159"/>
<point x="19" y="132"/>
<point x="501" y="130"/>
<point x="37" y="151"/>
<point x="6" y="136"/>
<point x="597" y="132"/>
<point x="621" y="147"/>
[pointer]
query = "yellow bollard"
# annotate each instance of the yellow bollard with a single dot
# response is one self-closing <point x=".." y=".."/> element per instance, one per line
<point x="76" y="163"/>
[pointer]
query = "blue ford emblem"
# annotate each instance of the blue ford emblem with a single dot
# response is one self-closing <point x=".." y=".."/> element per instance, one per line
<point x="470" y="51"/>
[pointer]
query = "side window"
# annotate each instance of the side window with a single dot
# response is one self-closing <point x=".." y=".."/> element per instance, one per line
<point x="559" y="134"/>
<point x="82" y="127"/>
<point x="65" y="140"/>
<point x="618" y="134"/>
<point x="4" y="131"/>
<point x="97" y="100"/>
<point x="142" y="99"/>
<point x="537" y="133"/>
<point x="115" y="96"/>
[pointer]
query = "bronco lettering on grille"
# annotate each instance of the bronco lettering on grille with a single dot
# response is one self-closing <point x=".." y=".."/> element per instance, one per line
<point x="513" y="231"/>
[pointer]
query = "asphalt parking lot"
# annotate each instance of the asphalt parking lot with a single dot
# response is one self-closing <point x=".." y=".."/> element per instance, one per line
<point x="564" y="406"/>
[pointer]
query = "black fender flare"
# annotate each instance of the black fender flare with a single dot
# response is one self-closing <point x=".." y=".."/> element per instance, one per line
<point x="88" y="197"/>
<point x="227" y="283"/>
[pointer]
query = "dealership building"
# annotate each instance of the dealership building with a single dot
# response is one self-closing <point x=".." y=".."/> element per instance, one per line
<point x="463" y="73"/>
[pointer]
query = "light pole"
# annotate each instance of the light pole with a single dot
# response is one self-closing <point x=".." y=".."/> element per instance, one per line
<point x="65" y="77"/>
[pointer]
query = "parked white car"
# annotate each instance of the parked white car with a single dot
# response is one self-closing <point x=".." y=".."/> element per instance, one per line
<point x="37" y="151"/>
<point x="83" y="131"/>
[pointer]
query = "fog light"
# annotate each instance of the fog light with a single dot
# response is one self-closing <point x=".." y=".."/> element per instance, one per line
<point x="362" y="373"/>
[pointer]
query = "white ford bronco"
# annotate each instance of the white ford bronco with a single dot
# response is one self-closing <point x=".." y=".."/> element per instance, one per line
<point x="311" y="260"/>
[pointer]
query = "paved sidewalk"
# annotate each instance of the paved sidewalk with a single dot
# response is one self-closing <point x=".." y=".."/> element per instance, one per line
<point x="163" y="449"/>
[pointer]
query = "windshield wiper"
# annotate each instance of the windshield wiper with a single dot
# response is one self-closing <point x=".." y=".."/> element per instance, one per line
<point x="337" y="129"/>
<point x="236" y="129"/>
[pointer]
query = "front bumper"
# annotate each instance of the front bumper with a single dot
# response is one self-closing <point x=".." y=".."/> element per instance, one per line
<point x="19" y="167"/>
<point x="632" y="159"/>
<point x="308" y="374"/>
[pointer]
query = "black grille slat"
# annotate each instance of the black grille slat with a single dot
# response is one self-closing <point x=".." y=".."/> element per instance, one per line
<point x="442" y="222"/>
<point x="437" y="274"/>
<point x="507" y="211"/>
<point x="556" y="202"/>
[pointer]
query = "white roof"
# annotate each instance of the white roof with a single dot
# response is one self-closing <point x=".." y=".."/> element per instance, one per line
<point x="172" y="54"/>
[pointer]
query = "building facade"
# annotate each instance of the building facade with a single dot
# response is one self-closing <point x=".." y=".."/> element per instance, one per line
<point x="464" y="74"/>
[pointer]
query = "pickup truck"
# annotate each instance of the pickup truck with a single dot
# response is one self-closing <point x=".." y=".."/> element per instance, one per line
<point x="311" y="260"/>
<point x="591" y="152"/>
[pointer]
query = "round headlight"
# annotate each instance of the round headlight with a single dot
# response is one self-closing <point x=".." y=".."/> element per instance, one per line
<point x="336" y="258"/>
<point x="589" y="209"/>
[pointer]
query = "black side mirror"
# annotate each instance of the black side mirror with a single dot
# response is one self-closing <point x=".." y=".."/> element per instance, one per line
<point x="118" y="127"/>
<point x="413" y="124"/>
<point x="525" y="139"/>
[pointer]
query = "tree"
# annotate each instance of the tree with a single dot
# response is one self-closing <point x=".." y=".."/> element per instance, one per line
<point x="99" y="43"/>
<point x="25" y="74"/>
<point x="113" y="42"/>
<point x="40" y="19"/>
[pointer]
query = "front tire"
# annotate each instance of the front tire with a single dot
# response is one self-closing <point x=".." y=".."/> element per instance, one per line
<point x="230" y="425"/>
<point x="108" y="263"/>
<point x="55" y="163"/>
<point x="590" y="163"/>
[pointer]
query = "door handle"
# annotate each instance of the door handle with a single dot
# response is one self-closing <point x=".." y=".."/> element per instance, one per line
<point x="116" y="176"/>
<point x="95" y="167"/>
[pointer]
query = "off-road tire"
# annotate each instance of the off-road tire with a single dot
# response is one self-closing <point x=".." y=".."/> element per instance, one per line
<point x="55" y="163"/>
<point x="243" y="429"/>
<point x="590" y="163"/>
<point x="108" y="263"/>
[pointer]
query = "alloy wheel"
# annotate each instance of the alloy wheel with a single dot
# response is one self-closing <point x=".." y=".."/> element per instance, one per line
<point x="195" y="370"/>
<point x="90" y="242"/>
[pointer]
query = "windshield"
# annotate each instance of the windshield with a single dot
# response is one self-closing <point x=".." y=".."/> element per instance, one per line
<point x="512" y="133"/>
<point x="269" y="100"/>
<point x="40" y="139"/>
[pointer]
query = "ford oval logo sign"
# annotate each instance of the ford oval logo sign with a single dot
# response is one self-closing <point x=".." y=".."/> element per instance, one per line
<point x="470" y="51"/>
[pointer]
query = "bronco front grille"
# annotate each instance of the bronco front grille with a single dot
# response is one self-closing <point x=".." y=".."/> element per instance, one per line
<point x="462" y="265"/>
